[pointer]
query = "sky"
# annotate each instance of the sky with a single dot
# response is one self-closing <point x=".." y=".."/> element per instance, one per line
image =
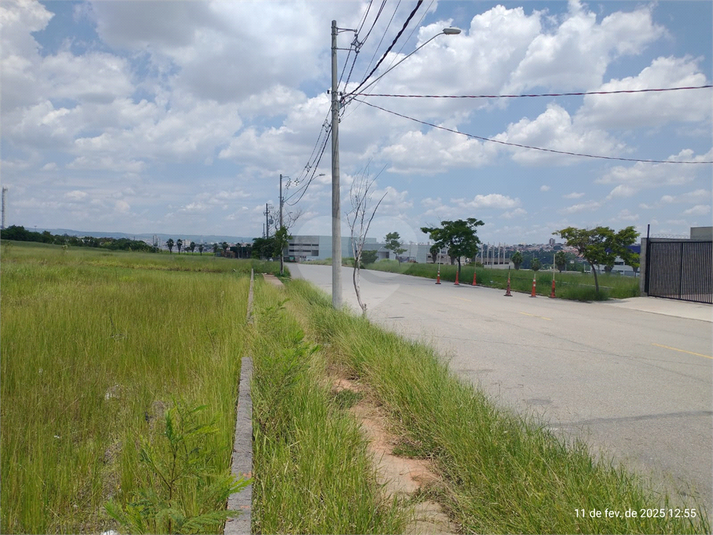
<point x="179" y="116"/>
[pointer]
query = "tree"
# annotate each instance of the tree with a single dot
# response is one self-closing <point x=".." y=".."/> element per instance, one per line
<point x="517" y="259"/>
<point x="216" y="248"/>
<point x="435" y="251"/>
<point x="536" y="264"/>
<point x="200" y="248"/>
<point x="560" y="260"/>
<point x="179" y="244"/>
<point x="460" y="237"/>
<point x="601" y="245"/>
<point x="170" y="244"/>
<point x="192" y="247"/>
<point x="369" y="257"/>
<point x="224" y="246"/>
<point x="263" y="247"/>
<point x="359" y="223"/>
<point x="393" y="243"/>
<point x="281" y="240"/>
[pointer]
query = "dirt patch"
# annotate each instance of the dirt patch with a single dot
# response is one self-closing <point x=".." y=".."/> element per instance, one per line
<point x="273" y="280"/>
<point x="400" y="476"/>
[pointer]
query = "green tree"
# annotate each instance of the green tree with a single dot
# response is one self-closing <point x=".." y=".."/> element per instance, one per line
<point x="216" y="248"/>
<point x="263" y="247"/>
<point x="560" y="260"/>
<point x="170" y="245"/>
<point x="224" y="246"/>
<point x="393" y="243"/>
<point x="536" y="264"/>
<point x="601" y="245"/>
<point x="200" y="248"/>
<point x="192" y="247"/>
<point x="369" y="257"/>
<point x="179" y="245"/>
<point x="281" y="240"/>
<point x="459" y="237"/>
<point x="517" y="259"/>
<point x="434" y="250"/>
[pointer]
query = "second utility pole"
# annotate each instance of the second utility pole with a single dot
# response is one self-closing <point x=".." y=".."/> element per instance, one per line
<point x="336" y="210"/>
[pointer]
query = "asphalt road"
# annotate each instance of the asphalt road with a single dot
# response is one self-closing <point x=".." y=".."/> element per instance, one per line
<point x="633" y="377"/>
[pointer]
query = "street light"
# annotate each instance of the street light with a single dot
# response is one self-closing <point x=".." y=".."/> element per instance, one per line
<point x="336" y="208"/>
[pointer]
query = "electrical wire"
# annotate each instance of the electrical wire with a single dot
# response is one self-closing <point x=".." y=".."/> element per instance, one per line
<point x="391" y="46"/>
<point x="303" y="189"/>
<point x="521" y="146"/>
<point x="573" y="94"/>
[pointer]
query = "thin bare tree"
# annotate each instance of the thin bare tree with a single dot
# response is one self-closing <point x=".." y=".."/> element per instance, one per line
<point x="359" y="218"/>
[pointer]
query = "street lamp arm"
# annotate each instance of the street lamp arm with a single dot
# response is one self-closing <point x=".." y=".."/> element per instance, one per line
<point x="445" y="31"/>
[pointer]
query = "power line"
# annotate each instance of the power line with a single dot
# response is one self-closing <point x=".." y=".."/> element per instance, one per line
<point x="573" y="94"/>
<point x="391" y="46"/>
<point x="521" y="146"/>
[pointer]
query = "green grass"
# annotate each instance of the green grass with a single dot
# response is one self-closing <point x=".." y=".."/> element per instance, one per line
<point x="569" y="285"/>
<point x="95" y="347"/>
<point x="502" y="473"/>
<point x="312" y="470"/>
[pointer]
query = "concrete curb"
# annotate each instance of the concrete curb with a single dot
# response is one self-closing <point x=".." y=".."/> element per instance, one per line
<point x="242" y="462"/>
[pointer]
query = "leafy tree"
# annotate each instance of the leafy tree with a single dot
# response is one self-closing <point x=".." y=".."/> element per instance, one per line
<point x="170" y="245"/>
<point x="434" y="250"/>
<point x="601" y="245"/>
<point x="560" y="260"/>
<point x="369" y="257"/>
<point x="200" y="248"/>
<point x="517" y="259"/>
<point x="216" y="247"/>
<point x="263" y="247"/>
<point x="393" y="243"/>
<point x="281" y="239"/>
<point x="536" y="264"/>
<point x="224" y="246"/>
<point x="179" y="244"/>
<point x="192" y="247"/>
<point x="460" y="237"/>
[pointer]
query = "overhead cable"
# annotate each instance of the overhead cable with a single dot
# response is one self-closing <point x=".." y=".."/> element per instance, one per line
<point x="573" y="94"/>
<point x="521" y="146"/>
<point x="391" y="46"/>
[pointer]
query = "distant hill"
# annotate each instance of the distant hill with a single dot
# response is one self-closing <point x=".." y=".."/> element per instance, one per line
<point x="208" y="238"/>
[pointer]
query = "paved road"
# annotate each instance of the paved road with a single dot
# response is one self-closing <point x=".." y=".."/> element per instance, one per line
<point x="633" y="377"/>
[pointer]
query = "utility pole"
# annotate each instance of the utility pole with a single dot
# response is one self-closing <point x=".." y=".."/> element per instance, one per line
<point x="336" y="209"/>
<point x="4" y="193"/>
<point x="282" y="251"/>
<point x="267" y="223"/>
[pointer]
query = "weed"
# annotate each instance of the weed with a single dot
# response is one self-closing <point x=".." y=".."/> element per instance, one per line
<point x="181" y="491"/>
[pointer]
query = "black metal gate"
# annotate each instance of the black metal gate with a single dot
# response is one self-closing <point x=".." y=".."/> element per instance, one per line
<point x="680" y="269"/>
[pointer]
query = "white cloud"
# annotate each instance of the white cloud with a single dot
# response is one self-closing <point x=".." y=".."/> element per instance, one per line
<point x="573" y="195"/>
<point x="545" y="188"/>
<point x="492" y="200"/>
<point x="577" y="53"/>
<point x="589" y="206"/>
<point x="76" y="195"/>
<point x="555" y="129"/>
<point x="122" y="206"/>
<point x="651" y="109"/>
<point x="699" y="209"/>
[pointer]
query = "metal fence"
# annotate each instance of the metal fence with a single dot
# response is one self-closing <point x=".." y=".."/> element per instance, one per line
<point x="680" y="269"/>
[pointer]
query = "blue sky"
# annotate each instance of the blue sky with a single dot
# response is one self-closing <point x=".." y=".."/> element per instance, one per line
<point x="178" y="117"/>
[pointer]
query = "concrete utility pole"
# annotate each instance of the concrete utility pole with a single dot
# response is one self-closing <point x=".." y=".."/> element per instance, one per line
<point x="267" y="223"/>
<point x="282" y="252"/>
<point x="4" y="193"/>
<point x="336" y="209"/>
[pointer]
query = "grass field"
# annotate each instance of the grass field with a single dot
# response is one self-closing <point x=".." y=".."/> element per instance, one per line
<point x="104" y="356"/>
<point x="569" y="285"/>
<point x="96" y="347"/>
<point x="502" y="473"/>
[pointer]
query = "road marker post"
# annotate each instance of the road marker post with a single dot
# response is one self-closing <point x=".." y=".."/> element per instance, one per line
<point x="457" y="283"/>
<point x="534" y="284"/>
<point x="438" y="275"/>
<point x="552" y="294"/>
<point x="507" y="292"/>
<point x="475" y="279"/>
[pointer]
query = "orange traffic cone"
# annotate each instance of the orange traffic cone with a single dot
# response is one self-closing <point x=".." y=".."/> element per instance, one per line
<point x="507" y="292"/>
<point x="552" y="295"/>
<point x="534" y="284"/>
<point x="457" y="283"/>
<point x="475" y="278"/>
<point x="438" y="276"/>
